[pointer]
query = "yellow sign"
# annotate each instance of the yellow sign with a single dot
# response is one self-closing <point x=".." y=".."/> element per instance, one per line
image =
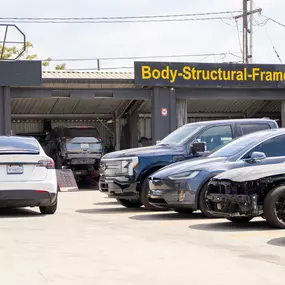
<point x="206" y="74"/>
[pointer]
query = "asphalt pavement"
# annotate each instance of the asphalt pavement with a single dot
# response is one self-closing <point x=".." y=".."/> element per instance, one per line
<point x="92" y="240"/>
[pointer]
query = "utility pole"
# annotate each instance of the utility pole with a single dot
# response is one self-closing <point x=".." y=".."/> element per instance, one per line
<point x="245" y="33"/>
<point x="247" y="49"/>
<point x="251" y="33"/>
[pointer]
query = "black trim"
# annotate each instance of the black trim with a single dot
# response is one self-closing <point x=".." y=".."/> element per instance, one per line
<point x="26" y="198"/>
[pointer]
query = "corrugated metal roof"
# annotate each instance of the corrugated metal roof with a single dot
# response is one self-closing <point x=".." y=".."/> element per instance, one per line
<point x="64" y="106"/>
<point x="87" y="75"/>
<point x="273" y="106"/>
<point x="226" y="106"/>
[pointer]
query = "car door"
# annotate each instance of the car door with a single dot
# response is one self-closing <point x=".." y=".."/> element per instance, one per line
<point x="215" y="136"/>
<point x="274" y="149"/>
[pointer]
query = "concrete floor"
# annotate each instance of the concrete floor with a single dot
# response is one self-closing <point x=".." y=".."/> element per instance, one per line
<point x="93" y="240"/>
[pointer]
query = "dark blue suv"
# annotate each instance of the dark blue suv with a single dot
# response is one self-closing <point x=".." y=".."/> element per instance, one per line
<point x="124" y="173"/>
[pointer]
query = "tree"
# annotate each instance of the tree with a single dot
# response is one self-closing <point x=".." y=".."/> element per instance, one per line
<point x="60" y="67"/>
<point x="13" y="52"/>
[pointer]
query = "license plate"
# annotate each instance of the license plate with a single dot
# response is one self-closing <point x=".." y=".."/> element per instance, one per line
<point x="15" y="169"/>
<point x="84" y="145"/>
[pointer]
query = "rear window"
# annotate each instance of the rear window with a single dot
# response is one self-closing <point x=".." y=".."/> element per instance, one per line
<point x="18" y="145"/>
<point x="250" y="128"/>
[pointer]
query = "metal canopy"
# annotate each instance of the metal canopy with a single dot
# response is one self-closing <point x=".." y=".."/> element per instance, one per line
<point x="63" y="108"/>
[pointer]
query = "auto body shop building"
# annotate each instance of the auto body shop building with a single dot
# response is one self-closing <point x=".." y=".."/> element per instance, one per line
<point x="140" y="108"/>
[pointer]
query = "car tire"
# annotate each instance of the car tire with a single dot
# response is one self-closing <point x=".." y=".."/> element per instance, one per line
<point x="145" y="200"/>
<point x="269" y="208"/>
<point x="183" y="211"/>
<point x="202" y="203"/>
<point x="49" y="210"/>
<point x="240" y="220"/>
<point x="130" y="203"/>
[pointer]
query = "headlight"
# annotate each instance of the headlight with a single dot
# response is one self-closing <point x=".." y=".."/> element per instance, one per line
<point x="184" y="175"/>
<point x="121" y="166"/>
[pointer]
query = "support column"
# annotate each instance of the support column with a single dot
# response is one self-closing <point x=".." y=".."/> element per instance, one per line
<point x="133" y="125"/>
<point x="283" y="114"/>
<point x="118" y="131"/>
<point x="162" y="125"/>
<point x="5" y="111"/>
<point x="181" y="112"/>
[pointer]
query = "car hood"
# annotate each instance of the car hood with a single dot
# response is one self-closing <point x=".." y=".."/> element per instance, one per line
<point x="202" y="163"/>
<point x="252" y="172"/>
<point x="156" y="150"/>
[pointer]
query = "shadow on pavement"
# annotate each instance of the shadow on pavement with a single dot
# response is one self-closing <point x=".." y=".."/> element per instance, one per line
<point x="110" y="210"/>
<point x="277" y="242"/>
<point x="18" y="213"/>
<point x="168" y="217"/>
<point x="106" y="203"/>
<point x="232" y="227"/>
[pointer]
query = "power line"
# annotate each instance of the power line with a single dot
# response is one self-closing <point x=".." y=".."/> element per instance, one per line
<point x="95" y="68"/>
<point x="277" y="54"/>
<point x="117" y="17"/>
<point x="276" y="22"/>
<point x="143" y="57"/>
<point x="115" y="21"/>
<point x="131" y="67"/>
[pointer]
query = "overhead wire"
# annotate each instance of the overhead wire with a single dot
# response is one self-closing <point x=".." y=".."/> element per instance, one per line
<point x="141" y="57"/>
<point x="277" y="54"/>
<point x="117" y="17"/>
<point x="116" y="21"/>
<point x="222" y="55"/>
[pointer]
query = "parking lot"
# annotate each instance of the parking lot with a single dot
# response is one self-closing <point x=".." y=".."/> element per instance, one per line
<point x="93" y="240"/>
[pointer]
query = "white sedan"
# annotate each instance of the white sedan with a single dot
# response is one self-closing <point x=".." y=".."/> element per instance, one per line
<point x="27" y="175"/>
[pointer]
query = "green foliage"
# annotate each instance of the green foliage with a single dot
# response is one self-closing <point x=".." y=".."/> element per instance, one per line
<point x="60" y="67"/>
<point x="13" y="52"/>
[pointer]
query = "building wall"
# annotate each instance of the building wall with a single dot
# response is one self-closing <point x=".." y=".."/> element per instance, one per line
<point x="36" y="126"/>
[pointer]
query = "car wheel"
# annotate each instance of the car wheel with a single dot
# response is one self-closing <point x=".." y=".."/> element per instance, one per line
<point x="130" y="203"/>
<point x="274" y="207"/>
<point x="145" y="199"/>
<point x="203" y="206"/>
<point x="49" y="210"/>
<point x="183" y="211"/>
<point x="240" y="219"/>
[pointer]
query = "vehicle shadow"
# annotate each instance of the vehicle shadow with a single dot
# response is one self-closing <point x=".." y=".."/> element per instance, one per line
<point x="18" y="213"/>
<point x="277" y="242"/>
<point x="228" y="226"/>
<point x="117" y="210"/>
<point x="106" y="203"/>
<point x="169" y="216"/>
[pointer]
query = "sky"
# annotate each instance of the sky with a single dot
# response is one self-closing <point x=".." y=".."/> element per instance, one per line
<point x="61" y="41"/>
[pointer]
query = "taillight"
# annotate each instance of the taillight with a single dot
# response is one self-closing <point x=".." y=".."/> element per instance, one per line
<point x="49" y="163"/>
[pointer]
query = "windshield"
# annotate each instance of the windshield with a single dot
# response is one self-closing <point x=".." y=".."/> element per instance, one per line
<point x="239" y="144"/>
<point x="181" y="135"/>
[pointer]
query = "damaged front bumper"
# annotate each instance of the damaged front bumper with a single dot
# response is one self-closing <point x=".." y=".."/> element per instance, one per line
<point x="233" y="205"/>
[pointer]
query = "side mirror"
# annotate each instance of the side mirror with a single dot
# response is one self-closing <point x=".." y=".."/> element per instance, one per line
<point x="197" y="147"/>
<point x="256" y="156"/>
